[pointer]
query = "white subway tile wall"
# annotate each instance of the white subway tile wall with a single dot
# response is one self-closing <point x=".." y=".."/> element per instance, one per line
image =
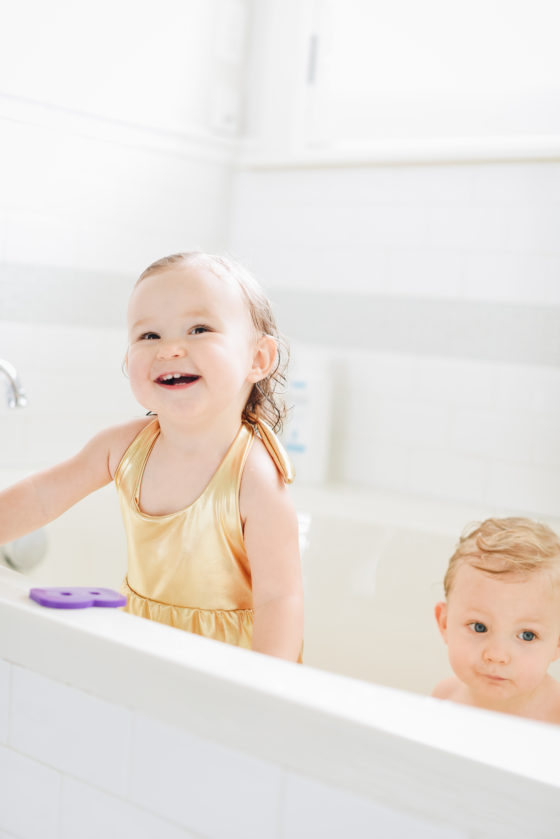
<point x="312" y="809"/>
<point x="30" y="796"/>
<point x="5" y="675"/>
<point x="106" y="203"/>
<point x="212" y="789"/>
<point x="65" y="728"/>
<point x="464" y="429"/>
<point x="166" y="783"/>
<point x="480" y="429"/>
<point x="482" y="231"/>
<point x="88" y="813"/>
<point x="75" y="388"/>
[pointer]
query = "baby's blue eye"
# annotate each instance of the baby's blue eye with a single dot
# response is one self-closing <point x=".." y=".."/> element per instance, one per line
<point x="527" y="635"/>
<point x="149" y="336"/>
<point x="199" y="330"/>
<point x="478" y="627"/>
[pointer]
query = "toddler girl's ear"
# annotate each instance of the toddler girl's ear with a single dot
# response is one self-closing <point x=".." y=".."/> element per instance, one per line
<point x="440" y="612"/>
<point x="263" y="359"/>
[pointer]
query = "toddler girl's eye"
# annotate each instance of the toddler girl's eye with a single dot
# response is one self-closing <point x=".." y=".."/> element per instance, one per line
<point x="527" y="635"/>
<point x="198" y="330"/>
<point x="149" y="336"/>
<point x="476" y="626"/>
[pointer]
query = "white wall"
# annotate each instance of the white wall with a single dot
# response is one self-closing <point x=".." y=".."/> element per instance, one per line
<point x="117" y="132"/>
<point x="133" y="775"/>
<point x="394" y="77"/>
<point x="433" y="291"/>
<point x="121" y="61"/>
<point x="108" y="204"/>
<point x="75" y="387"/>
<point x="397" y="69"/>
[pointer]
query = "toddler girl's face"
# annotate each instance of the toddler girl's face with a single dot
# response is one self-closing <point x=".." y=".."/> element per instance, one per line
<point x="192" y="343"/>
<point x="502" y="631"/>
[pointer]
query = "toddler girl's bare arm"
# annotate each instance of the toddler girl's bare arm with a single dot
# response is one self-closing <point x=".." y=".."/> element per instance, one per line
<point x="44" y="496"/>
<point x="271" y="541"/>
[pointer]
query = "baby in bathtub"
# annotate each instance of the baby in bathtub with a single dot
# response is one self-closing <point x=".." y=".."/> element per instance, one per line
<point x="501" y="619"/>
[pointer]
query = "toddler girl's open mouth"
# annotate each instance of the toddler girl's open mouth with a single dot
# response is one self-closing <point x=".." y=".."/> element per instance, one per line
<point x="176" y="380"/>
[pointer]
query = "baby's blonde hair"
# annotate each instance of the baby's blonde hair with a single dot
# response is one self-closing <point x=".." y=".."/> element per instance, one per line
<point x="265" y="401"/>
<point x="507" y="545"/>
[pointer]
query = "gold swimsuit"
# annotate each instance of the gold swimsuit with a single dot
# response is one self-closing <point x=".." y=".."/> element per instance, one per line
<point x="190" y="569"/>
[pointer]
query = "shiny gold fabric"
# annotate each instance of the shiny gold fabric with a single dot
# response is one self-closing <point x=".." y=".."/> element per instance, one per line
<point x="189" y="569"/>
<point x="231" y="626"/>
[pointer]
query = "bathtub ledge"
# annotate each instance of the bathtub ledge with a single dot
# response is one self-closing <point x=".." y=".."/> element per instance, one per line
<point x="376" y="741"/>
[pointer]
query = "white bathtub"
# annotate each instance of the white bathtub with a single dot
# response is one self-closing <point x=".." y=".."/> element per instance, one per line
<point x="155" y="732"/>
<point x="373" y="568"/>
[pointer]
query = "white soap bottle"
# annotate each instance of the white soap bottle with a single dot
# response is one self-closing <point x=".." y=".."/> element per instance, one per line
<point x="308" y="424"/>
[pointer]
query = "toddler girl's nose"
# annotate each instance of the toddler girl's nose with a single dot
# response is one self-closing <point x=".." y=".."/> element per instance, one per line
<point x="171" y="349"/>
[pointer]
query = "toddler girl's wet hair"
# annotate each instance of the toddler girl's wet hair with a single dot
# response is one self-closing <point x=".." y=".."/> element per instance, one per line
<point x="507" y="545"/>
<point x="265" y="401"/>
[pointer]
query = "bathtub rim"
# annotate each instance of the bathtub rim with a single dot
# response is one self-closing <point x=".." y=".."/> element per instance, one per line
<point x="371" y="734"/>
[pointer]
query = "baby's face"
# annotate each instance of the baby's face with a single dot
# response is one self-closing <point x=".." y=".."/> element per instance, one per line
<point x="502" y="632"/>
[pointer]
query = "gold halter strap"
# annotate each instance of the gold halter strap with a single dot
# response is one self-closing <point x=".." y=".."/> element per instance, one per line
<point x="275" y="449"/>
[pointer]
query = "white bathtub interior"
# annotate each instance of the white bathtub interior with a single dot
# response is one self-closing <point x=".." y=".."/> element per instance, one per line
<point x="373" y="564"/>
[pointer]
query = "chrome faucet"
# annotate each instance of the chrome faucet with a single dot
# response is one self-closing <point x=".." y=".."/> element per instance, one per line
<point x="16" y="394"/>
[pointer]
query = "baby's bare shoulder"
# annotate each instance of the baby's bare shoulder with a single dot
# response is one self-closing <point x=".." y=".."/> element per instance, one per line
<point x="447" y="688"/>
<point x="553" y="703"/>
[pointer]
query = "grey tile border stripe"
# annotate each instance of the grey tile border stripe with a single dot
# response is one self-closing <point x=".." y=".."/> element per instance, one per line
<point x="429" y="327"/>
<point x="470" y="329"/>
<point x="45" y="294"/>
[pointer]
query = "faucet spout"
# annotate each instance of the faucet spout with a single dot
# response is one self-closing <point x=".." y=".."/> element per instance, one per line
<point x="16" y="394"/>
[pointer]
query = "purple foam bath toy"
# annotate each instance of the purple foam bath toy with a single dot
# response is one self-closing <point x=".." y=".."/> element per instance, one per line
<point x="76" y="597"/>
